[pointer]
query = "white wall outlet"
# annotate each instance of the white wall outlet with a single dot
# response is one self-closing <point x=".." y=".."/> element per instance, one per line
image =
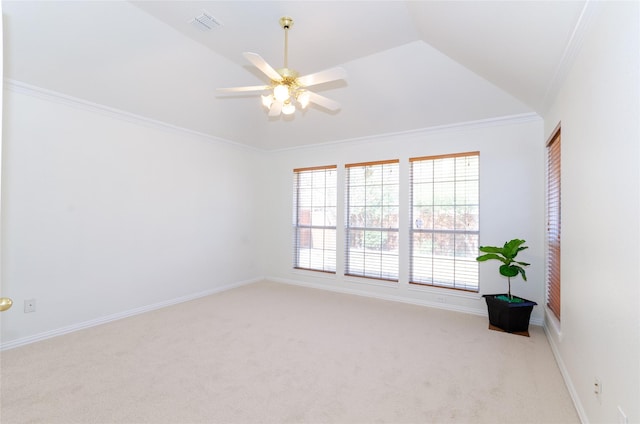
<point x="29" y="305"/>
<point x="441" y="299"/>
<point x="597" y="386"/>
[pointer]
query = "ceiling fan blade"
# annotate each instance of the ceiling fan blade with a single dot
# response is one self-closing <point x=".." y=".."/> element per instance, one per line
<point x="322" y="76"/>
<point x="243" y="89"/>
<point x="325" y="102"/>
<point x="262" y="64"/>
<point x="275" y="109"/>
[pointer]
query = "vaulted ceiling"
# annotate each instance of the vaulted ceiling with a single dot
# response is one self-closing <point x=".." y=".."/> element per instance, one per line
<point x="410" y="64"/>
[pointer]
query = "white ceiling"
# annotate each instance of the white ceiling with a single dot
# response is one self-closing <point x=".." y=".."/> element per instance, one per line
<point x="410" y="65"/>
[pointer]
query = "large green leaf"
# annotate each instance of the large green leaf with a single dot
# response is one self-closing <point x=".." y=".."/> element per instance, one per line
<point x="491" y="249"/>
<point x="511" y="248"/>
<point x="488" y="256"/>
<point x="524" y="275"/>
<point x="509" y="270"/>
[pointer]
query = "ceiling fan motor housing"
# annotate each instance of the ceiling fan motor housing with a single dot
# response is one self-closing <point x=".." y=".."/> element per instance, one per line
<point x="289" y="76"/>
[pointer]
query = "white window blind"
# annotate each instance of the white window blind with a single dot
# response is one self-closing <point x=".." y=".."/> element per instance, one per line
<point x="445" y="220"/>
<point x="372" y="220"/>
<point x="315" y="197"/>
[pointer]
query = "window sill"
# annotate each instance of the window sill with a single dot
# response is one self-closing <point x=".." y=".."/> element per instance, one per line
<point x="370" y="281"/>
<point x="316" y="274"/>
<point x="444" y="291"/>
<point x="552" y="324"/>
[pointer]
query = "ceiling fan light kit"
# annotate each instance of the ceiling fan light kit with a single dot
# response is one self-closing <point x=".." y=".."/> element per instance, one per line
<point x="287" y="89"/>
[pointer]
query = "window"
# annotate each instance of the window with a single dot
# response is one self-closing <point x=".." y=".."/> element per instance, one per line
<point x="445" y="221"/>
<point x="372" y="220"/>
<point x="553" y="224"/>
<point x="314" y="193"/>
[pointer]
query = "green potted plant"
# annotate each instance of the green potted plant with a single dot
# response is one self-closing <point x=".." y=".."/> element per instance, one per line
<point x="510" y="313"/>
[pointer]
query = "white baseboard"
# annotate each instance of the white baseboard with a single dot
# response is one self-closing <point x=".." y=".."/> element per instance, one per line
<point x="393" y="298"/>
<point x="565" y="375"/>
<point x="402" y="299"/>
<point x="120" y="315"/>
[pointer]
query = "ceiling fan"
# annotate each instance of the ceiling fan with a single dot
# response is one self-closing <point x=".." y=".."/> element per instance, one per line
<point x="287" y="89"/>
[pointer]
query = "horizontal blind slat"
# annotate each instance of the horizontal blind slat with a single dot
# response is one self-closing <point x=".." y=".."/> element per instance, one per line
<point x="363" y="164"/>
<point x="315" y="168"/>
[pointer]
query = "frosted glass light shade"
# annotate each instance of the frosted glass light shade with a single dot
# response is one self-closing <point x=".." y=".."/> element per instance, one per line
<point x="303" y="98"/>
<point x="288" y="109"/>
<point x="281" y="92"/>
<point x="267" y="101"/>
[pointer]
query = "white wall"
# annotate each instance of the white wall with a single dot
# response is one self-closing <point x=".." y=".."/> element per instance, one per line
<point x="598" y="105"/>
<point x="511" y="167"/>
<point x="104" y="215"/>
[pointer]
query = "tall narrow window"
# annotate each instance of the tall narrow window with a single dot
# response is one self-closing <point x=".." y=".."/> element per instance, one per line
<point x="372" y="220"/>
<point x="445" y="220"/>
<point x="315" y="197"/>
<point x="553" y="224"/>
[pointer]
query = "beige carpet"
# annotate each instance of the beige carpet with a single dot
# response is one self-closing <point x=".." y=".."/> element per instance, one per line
<point x="273" y="353"/>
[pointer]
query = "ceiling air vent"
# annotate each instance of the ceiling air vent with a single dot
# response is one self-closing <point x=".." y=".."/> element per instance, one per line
<point x="205" y="22"/>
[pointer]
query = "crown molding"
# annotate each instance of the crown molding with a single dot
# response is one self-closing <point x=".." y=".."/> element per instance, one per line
<point x="448" y="128"/>
<point x="573" y="47"/>
<point x="67" y="100"/>
<point x="75" y="102"/>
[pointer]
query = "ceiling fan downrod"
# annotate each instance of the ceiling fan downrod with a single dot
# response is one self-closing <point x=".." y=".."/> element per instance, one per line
<point x="286" y="23"/>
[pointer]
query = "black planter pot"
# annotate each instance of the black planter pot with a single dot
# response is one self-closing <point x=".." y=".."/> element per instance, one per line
<point x="511" y="317"/>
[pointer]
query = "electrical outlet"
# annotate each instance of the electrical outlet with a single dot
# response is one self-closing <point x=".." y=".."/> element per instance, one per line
<point x="29" y="306"/>
<point x="597" y="386"/>
<point x="441" y="299"/>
